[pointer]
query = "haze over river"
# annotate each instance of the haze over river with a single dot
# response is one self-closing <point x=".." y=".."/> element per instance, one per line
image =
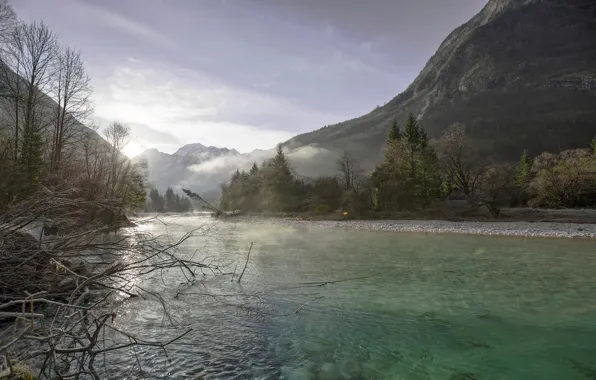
<point x="371" y="305"/>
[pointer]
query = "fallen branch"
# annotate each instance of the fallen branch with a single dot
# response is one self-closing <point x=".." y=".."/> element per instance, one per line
<point x="196" y="196"/>
<point x="56" y="290"/>
<point x="306" y="303"/>
<point x="322" y="283"/>
<point x="246" y="264"/>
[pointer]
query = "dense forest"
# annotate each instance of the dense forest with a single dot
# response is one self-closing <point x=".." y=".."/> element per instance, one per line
<point x="418" y="174"/>
<point x="169" y="202"/>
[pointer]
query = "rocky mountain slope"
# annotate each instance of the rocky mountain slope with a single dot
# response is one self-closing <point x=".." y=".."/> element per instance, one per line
<point x="521" y="74"/>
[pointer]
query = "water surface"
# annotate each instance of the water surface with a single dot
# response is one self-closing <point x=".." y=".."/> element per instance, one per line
<point x="372" y="305"/>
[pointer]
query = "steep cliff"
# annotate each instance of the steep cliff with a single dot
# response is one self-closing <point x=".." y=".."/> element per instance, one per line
<point x="521" y="74"/>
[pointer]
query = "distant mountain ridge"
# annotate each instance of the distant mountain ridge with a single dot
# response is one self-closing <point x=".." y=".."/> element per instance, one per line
<point x="175" y="170"/>
<point x="202" y="151"/>
<point x="203" y="169"/>
<point x="521" y="74"/>
<point x="190" y="154"/>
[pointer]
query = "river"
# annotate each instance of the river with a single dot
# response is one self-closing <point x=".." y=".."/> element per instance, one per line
<point x="371" y="305"/>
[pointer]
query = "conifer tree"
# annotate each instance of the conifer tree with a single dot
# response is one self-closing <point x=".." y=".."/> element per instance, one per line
<point x="447" y="184"/>
<point x="394" y="133"/>
<point x="31" y="159"/>
<point x="522" y="173"/>
<point x="411" y="133"/>
<point x="254" y="170"/>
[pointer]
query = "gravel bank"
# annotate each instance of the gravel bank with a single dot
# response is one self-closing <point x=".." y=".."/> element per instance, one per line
<point x="523" y="229"/>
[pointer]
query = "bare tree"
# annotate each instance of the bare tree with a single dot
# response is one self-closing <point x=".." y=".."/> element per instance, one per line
<point x="496" y="186"/>
<point x="350" y="170"/>
<point x="456" y="154"/>
<point x="118" y="135"/>
<point x="7" y="18"/>
<point x="72" y="94"/>
<point x="29" y="55"/>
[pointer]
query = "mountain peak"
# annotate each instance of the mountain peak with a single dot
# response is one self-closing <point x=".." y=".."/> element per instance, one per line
<point x="150" y="152"/>
<point x="495" y="7"/>
<point x="518" y="69"/>
<point x="200" y="149"/>
<point x="190" y="148"/>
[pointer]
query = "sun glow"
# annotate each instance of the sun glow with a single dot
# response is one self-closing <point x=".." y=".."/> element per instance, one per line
<point x="133" y="149"/>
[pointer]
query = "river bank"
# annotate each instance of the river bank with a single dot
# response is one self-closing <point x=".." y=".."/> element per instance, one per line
<point x="494" y="228"/>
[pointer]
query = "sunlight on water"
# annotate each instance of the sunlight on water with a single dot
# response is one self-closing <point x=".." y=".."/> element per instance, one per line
<point x="374" y="306"/>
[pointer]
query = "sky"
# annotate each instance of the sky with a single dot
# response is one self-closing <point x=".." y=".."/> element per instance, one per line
<point x="245" y="74"/>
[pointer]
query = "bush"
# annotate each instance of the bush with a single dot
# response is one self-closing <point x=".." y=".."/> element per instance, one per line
<point x="322" y="209"/>
<point x="563" y="180"/>
<point x="20" y="371"/>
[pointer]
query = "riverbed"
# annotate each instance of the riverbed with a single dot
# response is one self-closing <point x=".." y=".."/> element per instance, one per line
<point x="491" y="228"/>
<point x="352" y="303"/>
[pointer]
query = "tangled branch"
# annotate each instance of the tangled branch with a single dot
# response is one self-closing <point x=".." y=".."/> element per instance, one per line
<point x="56" y="291"/>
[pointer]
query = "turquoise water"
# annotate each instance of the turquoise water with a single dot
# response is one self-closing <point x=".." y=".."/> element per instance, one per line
<point x="372" y="305"/>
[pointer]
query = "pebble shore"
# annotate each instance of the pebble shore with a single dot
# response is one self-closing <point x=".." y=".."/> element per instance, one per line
<point x="522" y="229"/>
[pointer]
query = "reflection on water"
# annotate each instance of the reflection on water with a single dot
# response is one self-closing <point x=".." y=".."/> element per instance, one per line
<point x="382" y="306"/>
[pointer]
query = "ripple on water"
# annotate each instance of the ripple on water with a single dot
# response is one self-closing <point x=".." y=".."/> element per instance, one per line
<point x="431" y="307"/>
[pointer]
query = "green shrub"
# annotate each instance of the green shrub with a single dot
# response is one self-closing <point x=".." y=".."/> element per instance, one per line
<point x="20" y="372"/>
<point x="322" y="209"/>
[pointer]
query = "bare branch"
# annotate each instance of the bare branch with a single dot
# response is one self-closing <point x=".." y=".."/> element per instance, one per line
<point x="245" y="264"/>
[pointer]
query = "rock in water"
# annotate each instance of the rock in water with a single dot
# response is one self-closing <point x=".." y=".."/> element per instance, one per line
<point x="517" y="70"/>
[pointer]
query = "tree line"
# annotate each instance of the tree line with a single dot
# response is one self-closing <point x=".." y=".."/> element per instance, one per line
<point x="45" y="100"/>
<point x="169" y="202"/>
<point x="416" y="174"/>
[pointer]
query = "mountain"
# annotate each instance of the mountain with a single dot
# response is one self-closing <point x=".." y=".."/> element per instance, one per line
<point x="203" y="169"/>
<point x="193" y="165"/>
<point x="203" y="152"/>
<point x="521" y="74"/>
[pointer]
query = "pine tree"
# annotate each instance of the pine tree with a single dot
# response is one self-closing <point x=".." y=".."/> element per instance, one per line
<point x="156" y="201"/>
<point x="409" y="176"/>
<point x="394" y="133"/>
<point x="31" y="159"/>
<point x="236" y="176"/>
<point x="593" y="145"/>
<point x="170" y="200"/>
<point x="254" y="170"/>
<point x="447" y="184"/>
<point x="412" y="133"/>
<point x="280" y="182"/>
<point x="428" y="176"/>
<point x="522" y="172"/>
<point x="423" y="138"/>
<point x="136" y="193"/>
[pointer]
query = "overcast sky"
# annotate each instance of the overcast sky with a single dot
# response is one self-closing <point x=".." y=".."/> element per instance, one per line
<point x="245" y="74"/>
